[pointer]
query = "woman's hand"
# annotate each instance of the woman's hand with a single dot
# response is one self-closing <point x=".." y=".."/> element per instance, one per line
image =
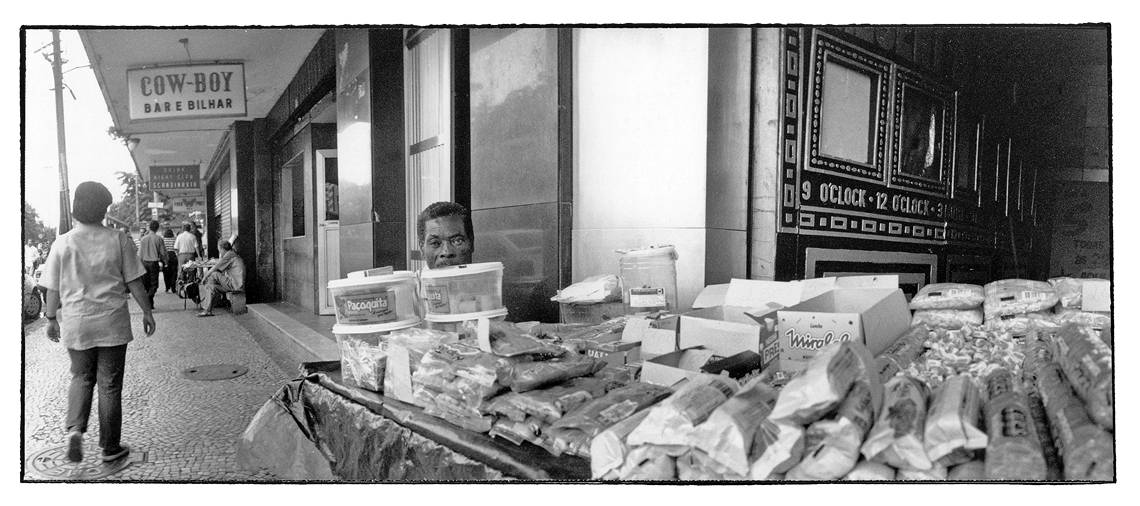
<point x="53" y="331"/>
<point x="148" y="323"/>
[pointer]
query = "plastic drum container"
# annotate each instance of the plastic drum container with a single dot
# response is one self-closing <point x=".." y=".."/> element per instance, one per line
<point x="363" y="353"/>
<point x="462" y="292"/>
<point x="376" y="300"/>
<point x="649" y="279"/>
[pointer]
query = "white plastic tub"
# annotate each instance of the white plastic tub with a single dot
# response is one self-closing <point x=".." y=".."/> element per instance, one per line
<point x="376" y="300"/>
<point x="363" y="353"/>
<point x="455" y="293"/>
<point x="649" y="279"/>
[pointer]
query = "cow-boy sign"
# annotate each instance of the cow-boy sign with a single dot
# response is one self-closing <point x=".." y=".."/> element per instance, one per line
<point x="187" y="91"/>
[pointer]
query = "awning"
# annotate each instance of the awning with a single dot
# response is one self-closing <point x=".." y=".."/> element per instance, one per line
<point x="271" y="57"/>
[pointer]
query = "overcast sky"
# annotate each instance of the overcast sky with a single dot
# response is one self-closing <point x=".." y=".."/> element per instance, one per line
<point x="92" y="155"/>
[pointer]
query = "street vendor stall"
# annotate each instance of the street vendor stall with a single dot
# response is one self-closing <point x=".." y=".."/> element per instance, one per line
<point x="1011" y="381"/>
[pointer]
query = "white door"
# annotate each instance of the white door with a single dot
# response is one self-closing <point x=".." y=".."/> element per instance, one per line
<point x="328" y="227"/>
<point x="427" y="127"/>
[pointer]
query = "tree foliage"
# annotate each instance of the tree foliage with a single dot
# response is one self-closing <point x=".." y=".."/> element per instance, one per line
<point x="35" y="231"/>
<point x="124" y="209"/>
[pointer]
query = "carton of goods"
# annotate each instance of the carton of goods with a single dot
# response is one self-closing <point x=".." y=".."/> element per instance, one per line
<point x="463" y="292"/>
<point x="376" y="300"/>
<point x="741" y="315"/>
<point x="874" y="317"/>
<point x="670" y="368"/>
<point x="653" y="341"/>
<point x="1090" y="294"/>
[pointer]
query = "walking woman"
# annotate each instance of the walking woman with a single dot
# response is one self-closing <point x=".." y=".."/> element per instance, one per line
<point x="170" y="272"/>
<point x="88" y="273"/>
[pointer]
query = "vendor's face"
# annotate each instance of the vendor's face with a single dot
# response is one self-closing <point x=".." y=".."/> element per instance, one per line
<point x="446" y="242"/>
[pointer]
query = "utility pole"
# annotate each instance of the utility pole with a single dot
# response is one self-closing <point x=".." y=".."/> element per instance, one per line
<point x="137" y="190"/>
<point x="60" y="137"/>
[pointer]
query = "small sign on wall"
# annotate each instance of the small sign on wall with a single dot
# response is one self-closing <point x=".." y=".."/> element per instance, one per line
<point x="187" y="91"/>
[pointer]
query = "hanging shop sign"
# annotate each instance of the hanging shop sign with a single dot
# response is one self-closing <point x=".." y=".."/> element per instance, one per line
<point x="166" y="178"/>
<point x="189" y="203"/>
<point x="187" y="91"/>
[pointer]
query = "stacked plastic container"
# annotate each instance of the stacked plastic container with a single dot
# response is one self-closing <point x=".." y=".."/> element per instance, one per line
<point x="459" y="293"/>
<point x="649" y="279"/>
<point x="367" y="309"/>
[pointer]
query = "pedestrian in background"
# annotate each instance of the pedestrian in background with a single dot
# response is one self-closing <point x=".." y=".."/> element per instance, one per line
<point x="88" y="273"/>
<point x="170" y="271"/>
<point x="186" y="244"/>
<point x="198" y="236"/>
<point x="228" y="275"/>
<point x="152" y="252"/>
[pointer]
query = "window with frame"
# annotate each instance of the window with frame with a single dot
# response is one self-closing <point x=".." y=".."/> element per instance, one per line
<point x="847" y="118"/>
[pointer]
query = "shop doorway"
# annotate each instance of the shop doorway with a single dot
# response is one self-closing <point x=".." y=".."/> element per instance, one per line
<point x="328" y="227"/>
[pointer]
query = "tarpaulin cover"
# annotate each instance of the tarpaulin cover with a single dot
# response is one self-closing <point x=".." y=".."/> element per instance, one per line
<point x="279" y="440"/>
<point x="368" y="437"/>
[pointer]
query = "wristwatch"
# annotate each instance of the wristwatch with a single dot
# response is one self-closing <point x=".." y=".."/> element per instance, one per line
<point x="50" y="317"/>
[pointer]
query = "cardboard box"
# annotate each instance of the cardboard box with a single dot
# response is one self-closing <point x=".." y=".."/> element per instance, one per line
<point x="740" y="315"/>
<point x="670" y="368"/>
<point x="727" y="330"/>
<point x="615" y="351"/>
<point x="1096" y="295"/>
<point x="875" y="317"/>
<point x="653" y="341"/>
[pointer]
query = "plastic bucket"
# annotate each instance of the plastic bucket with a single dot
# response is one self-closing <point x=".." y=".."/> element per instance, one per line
<point x="453" y="291"/>
<point x="363" y="353"/>
<point x="649" y="279"/>
<point x="376" y="300"/>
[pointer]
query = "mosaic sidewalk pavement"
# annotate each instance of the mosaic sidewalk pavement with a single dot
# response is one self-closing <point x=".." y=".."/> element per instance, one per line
<point x="178" y="429"/>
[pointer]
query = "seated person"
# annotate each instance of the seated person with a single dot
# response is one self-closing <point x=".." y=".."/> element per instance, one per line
<point x="445" y="234"/>
<point x="227" y="275"/>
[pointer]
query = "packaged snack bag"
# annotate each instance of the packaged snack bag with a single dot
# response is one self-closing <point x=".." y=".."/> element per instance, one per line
<point x="672" y="421"/>
<point x="726" y="437"/>
<point x="1014" y="449"/>
<point x="948" y="296"/>
<point x="952" y="435"/>
<point x="866" y="470"/>
<point x="896" y="438"/>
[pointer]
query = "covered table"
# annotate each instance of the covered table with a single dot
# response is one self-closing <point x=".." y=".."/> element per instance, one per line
<point x="365" y="436"/>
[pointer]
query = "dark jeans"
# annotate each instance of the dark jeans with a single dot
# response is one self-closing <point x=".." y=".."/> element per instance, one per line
<point x="150" y="280"/>
<point x="103" y="366"/>
<point x="170" y="272"/>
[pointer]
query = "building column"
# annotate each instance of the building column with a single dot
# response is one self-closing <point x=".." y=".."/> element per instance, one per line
<point x="767" y="91"/>
<point x="370" y="151"/>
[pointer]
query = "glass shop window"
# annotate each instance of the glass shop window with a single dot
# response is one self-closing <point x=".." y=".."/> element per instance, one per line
<point x="847" y="118"/>
<point x="922" y="123"/>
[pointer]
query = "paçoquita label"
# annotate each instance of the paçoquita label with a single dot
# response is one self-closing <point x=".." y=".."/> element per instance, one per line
<point x="372" y="308"/>
<point x="436" y="298"/>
